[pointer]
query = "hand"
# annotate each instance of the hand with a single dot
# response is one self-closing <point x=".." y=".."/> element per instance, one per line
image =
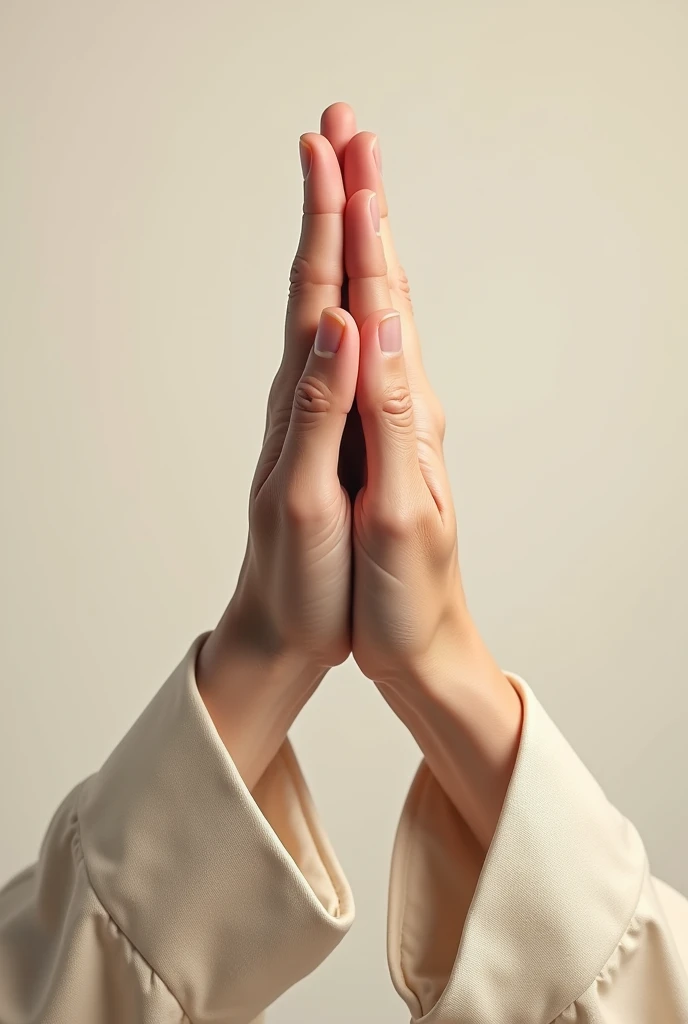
<point x="408" y="586"/>
<point x="412" y="631"/>
<point x="289" y="619"/>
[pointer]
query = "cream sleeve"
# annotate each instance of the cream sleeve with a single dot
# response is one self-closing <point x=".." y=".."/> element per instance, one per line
<point x="561" y="921"/>
<point x="164" y="891"/>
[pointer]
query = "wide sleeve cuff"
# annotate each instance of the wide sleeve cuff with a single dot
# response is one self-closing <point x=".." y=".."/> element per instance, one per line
<point x="230" y="896"/>
<point x="520" y="933"/>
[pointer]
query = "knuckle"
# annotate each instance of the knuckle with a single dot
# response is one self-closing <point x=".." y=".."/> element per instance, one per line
<point x="277" y="386"/>
<point x="278" y="397"/>
<point x="298" y="508"/>
<point x="295" y="508"/>
<point x="260" y="476"/>
<point x="399" y="283"/>
<point x="300" y="275"/>
<point x="312" y="397"/>
<point x="278" y="413"/>
<point x="429" y="448"/>
<point x="396" y="522"/>
<point x="409" y="515"/>
<point x="431" y="422"/>
<point x="397" y="404"/>
<point x="312" y="267"/>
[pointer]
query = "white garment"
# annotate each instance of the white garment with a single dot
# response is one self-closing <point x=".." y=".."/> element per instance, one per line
<point x="166" y="892"/>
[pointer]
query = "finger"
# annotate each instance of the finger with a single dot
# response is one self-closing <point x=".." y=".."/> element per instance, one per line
<point x="385" y="404"/>
<point x="338" y="125"/>
<point x="364" y="257"/>
<point x="315" y="281"/>
<point x="322" y="399"/>
<point x="317" y="269"/>
<point x="363" y="170"/>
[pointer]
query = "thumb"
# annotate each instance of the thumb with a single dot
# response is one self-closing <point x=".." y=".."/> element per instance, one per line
<point x="323" y="397"/>
<point x="385" y="404"/>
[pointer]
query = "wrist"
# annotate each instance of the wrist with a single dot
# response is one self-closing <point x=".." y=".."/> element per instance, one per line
<point x="456" y="651"/>
<point x="252" y="686"/>
<point x="466" y="717"/>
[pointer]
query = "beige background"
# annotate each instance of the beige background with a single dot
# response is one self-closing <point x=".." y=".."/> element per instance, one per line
<point x="536" y="159"/>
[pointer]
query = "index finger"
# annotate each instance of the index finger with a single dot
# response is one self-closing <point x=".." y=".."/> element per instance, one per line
<point x="317" y="272"/>
<point x="315" y="280"/>
<point x="318" y="268"/>
<point x="363" y="170"/>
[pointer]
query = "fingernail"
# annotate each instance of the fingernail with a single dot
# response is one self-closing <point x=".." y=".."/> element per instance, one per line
<point x="306" y="154"/>
<point x="329" y="334"/>
<point x="374" y="207"/>
<point x="389" y="333"/>
<point x="377" y="155"/>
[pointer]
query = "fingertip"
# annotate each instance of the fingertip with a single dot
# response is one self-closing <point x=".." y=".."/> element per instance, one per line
<point x="381" y="351"/>
<point x="306" y="156"/>
<point x="309" y="138"/>
<point x="324" y="187"/>
<point x="359" y="201"/>
<point x="337" y="335"/>
<point x="369" y="327"/>
<point x="389" y="334"/>
<point x="330" y="334"/>
<point x="360" y="157"/>
<point x="363" y="167"/>
<point x="338" y="118"/>
<point x="345" y="316"/>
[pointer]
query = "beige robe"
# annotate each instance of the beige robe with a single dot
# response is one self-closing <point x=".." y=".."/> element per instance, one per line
<point x="166" y="892"/>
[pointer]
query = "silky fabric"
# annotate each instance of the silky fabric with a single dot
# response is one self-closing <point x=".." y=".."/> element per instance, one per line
<point x="166" y="892"/>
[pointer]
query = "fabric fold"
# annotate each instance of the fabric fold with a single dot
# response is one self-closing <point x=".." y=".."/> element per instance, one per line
<point x="522" y="932"/>
<point x="165" y="891"/>
<point x="231" y="897"/>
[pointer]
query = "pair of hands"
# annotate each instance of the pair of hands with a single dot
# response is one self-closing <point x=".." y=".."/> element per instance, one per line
<point x="352" y="536"/>
<point x="352" y="546"/>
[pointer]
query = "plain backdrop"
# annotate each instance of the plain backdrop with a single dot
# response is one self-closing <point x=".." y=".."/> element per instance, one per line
<point x="536" y="159"/>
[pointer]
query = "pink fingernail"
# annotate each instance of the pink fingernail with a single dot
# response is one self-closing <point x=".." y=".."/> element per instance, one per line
<point x="374" y="207"/>
<point x="377" y="155"/>
<point x="306" y="155"/>
<point x="329" y="334"/>
<point x="389" y="334"/>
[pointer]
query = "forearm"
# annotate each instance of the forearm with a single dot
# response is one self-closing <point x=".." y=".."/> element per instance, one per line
<point x="466" y="717"/>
